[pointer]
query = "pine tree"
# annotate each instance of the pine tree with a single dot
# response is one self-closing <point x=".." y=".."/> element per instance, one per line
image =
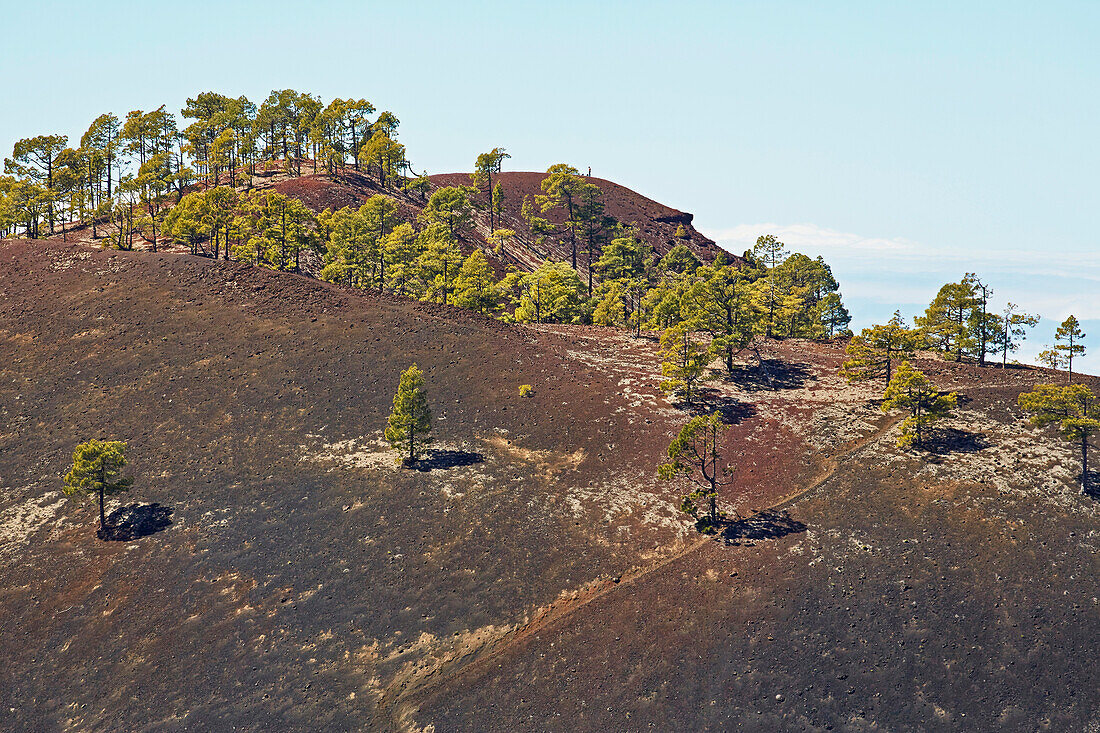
<point x="486" y="165"/>
<point x="451" y="207"/>
<point x="1076" y="410"/>
<point x="872" y="352"/>
<point x="1015" y="325"/>
<point x="410" y="423"/>
<point x="683" y="362"/>
<point x="1070" y="334"/>
<point x="695" y="455"/>
<point x="910" y="390"/>
<point x="438" y="265"/>
<point x="34" y="158"/>
<point x="97" y="471"/>
<point x="770" y="253"/>
<point x="947" y="318"/>
<point x="561" y="189"/>
<point x="475" y="287"/>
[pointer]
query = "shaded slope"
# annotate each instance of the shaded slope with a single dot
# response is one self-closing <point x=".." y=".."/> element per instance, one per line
<point x="536" y="577"/>
<point x="253" y="403"/>
<point x="952" y="593"/>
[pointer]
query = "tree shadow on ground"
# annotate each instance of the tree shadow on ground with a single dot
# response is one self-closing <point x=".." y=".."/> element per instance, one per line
<point x="954" y="440"/>
<point x="708" y="400"/>
<point x="771" y="375"/>
<point x="443" y="459"/>
<point x="134" y="521"/>
<point x="766" y="525"/>
<point x="1093" y="490"/>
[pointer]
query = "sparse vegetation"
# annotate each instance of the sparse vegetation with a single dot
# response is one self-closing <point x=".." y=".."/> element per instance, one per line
<point x="912" y="391"/>
<point x="410" y="424"/>
<point x="1074" y="408"/>
<point x="1067" y="342"/>
<point x="872" y="352"/>
<point x="695" y="455"/>
<point x="97" y="472"/>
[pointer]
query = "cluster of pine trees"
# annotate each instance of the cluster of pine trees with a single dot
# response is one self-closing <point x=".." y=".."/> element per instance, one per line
<point x="122" y="169"/>
<point x="148" y="177"/>
<point x="959" y="324"/>
<point x="619" y="282"/>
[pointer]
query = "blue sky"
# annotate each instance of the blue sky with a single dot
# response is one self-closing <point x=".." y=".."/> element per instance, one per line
<point x="906" y="142"/>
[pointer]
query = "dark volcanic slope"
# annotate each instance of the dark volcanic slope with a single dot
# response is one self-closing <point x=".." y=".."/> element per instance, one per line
<point x="301" y="565"/>
<point x="533" y="575"/>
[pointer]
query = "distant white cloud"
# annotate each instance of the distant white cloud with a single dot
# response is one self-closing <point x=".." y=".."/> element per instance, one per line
<point x="880" y="274"/>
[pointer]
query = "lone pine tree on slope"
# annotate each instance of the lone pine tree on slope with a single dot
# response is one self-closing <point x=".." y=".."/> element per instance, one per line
<point x="1067" y="342"/>
<point x="410" y="423"/>
<point x="910" y="390"/>
<point x="695" y="456"/>
<point x="1076" y="410"/>
<point x="97" y="471"/>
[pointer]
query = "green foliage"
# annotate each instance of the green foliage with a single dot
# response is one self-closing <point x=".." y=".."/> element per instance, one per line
<point x="948" y="318"/>
<point x="1067" y="342"/>
<point x="679" y="261"/>
<point x="484" y="167"/>
<point x="475" y="286"/>
<point x="694" y="455"/>
<point x="384" y="155"/>
<point x="408" y="429"/>
<point x="451" y="207"/>
<point x="872" y="352"/>
<point x="501" y="237"/>
<point x="553" y="293"/>
<point x="1014" y="325"/>
<point x="437" y="264"/>
<point x="97" y="471"/>
<point x="719" y="302"/>
<point x="273" y="229"/>
<point x="683" y="362"/>
<point x="561" y="190"/>
<point x="771" y="300"/>
<point x="909" y="389"/>
<point x="1074" y="408"/>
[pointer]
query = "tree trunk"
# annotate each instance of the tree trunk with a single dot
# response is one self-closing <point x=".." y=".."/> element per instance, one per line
<point x="102" y="511"/>
<point x="1085" y="464"/>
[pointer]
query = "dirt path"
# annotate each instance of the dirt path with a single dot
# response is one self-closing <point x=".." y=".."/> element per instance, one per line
<point x="396" y="703"/>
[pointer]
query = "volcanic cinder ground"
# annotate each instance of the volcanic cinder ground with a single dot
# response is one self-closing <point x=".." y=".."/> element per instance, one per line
<point x="532" y="574"/>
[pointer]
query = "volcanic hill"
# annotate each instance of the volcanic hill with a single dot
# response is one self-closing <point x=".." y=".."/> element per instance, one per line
<point x="655" y="223"/>
<point x="284" y="573"/>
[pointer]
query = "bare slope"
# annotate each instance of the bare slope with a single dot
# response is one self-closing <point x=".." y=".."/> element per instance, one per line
<point x="533" y="575"/>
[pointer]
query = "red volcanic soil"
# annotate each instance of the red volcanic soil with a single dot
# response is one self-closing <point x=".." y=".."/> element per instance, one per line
<point x="283" y="572"/>
<point x="656" y="223"/>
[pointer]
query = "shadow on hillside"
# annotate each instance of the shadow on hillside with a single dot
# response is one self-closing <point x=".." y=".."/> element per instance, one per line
<point x="134" y="521"/>
<point x="1093" y="490"/>
<point x="953" y="440"/>
<point x="443" y="459"/>
<point x="765" y="525"/>
<point x="771" y="374"/>
<point x="710" y="400"/>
